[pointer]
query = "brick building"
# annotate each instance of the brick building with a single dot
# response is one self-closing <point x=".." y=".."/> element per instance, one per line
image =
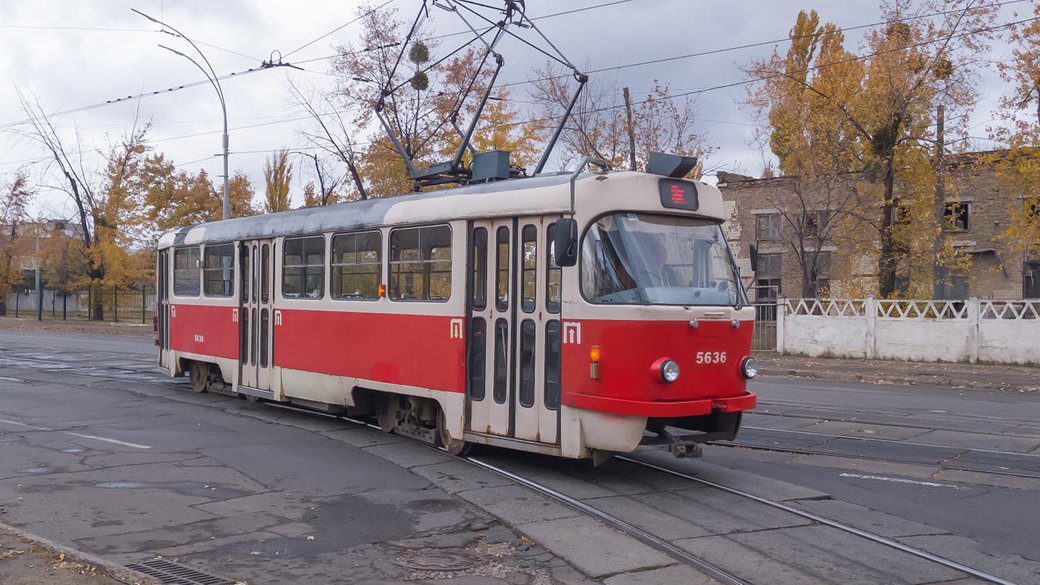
<point x="978" y="210"/>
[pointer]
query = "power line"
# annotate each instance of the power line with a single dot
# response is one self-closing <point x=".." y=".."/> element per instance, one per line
<point x="146" y="94"/>
<point x="255" y="69"/>
<point x="753" y="45"/>
<point x="83" y="28"/>
<point x="111" y="29"/>
<point x="807" y="69"/>
<point x="606" y="108"/>
<point x="338" y="28"/>
<point x="466" y="32"/>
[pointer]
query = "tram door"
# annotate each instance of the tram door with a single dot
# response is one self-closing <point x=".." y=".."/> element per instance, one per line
<point x="256" y="318"/>
<point x="162" y="305"/>
<point x="506" y="369"/>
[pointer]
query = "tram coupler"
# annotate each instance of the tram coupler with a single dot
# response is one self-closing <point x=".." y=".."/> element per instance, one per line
<point x="685" y="449"/>
<point x="681" y="446"/>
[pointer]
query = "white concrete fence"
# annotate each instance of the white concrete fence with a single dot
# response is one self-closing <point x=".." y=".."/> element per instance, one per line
<point x="971" y="330"/>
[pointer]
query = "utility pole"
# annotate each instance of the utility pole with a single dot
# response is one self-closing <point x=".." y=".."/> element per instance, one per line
<point x="39" y="289"/>
<point x="214" y="80"/>
<point x="940" y="200"/>
<point x="631" y="132"/>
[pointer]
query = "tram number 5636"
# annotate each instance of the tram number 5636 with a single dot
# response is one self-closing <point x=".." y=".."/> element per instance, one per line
<point x="710" y="357"/>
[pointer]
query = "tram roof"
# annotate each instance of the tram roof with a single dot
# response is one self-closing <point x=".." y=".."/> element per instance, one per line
<point x="541" y="194"/>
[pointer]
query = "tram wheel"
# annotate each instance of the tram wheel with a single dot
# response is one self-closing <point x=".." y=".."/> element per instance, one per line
<point x="457" y="447"/>
<point x="387" y="412"/>
<point x="199" y="374"/>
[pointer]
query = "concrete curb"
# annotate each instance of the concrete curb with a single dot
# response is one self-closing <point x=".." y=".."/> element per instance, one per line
<point x="117" y="572"/>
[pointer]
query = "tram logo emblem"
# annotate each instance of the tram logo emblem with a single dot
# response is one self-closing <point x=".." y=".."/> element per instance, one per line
<point x="277" y="317"/>
<point x="572" y="332"/>
<point x="456" y="329"/>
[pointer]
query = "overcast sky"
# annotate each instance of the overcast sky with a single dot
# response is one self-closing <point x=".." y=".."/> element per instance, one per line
<point x="75" y="54"/>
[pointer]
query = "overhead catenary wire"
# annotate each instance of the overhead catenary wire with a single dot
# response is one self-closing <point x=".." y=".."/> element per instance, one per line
<point x="338" y="28"/>
<point x="606" y="108"/>
<point x="671" y="96"/>
<point x="552" y="15"/>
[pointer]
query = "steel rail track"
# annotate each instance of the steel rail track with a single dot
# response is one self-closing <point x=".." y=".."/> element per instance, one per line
<point x="656" y="542"/>
<point x="647" y="538"/>
<point x="679" y="554"/>
<point x="942" y="466"/>
<point x="825" y="521"/>
<point x="773" y="402"/>
<point x="900" y="441"/>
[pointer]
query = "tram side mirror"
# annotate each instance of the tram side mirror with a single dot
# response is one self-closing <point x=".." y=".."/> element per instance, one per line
<point x="753" y="255"/>
<point x="565" y="242"/>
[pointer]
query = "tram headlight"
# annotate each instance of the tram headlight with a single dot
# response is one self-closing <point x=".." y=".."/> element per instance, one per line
<point x="749" y="367"/>
<point x="666" y="370"/>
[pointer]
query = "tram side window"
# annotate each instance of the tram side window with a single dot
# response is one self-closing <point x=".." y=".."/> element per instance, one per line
<point x="554" y="274"/>
<point x="218" y="272"/>
<point x="479" y="268"/>
<point x="186" y="272"/>
<point x="527" y="338"/>
<point x="303" y="268"/>
<point x="553" y="363"/>
<point x="420" y="264"/>
<point x="502" y="269"/>
<point x="356" y="266"/>
<point x="528" y="268"/>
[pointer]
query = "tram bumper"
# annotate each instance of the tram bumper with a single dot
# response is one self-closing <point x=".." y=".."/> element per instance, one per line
<point x="612" y="424"/>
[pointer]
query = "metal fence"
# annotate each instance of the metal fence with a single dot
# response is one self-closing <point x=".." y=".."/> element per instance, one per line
<point x="765" y="303"/>
<point x="118" y="304"/>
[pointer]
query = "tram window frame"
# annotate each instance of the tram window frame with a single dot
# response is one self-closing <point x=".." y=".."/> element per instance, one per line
<point x="191" y="284"/>
<point x="265" y="273"/>
<point x="226" y="281"/>
<point x="480" y="259"/>
<point x="478" y="359"/>
<point x="553" y="274"/>
<point x="339" y="270"/>
<point x="528" y="344"/>
<point x="307" y="270"/>
<point x="528" y="268"/>
<point x="502" y="261"/>
<point x="500" y="371"/>
<point x="429" y="262"/>
<point x="553" y="364"/>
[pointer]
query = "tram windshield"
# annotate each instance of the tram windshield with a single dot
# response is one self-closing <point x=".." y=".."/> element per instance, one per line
<point x="647" y="259"/>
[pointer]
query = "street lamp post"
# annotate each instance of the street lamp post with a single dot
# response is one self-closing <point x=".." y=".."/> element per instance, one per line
<point x="211" y="75"/>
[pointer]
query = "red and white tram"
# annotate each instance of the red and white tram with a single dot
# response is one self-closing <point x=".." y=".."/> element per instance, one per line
<point x="563" y="314"/>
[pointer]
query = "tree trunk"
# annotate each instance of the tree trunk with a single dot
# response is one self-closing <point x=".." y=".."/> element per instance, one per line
<point x="887" y="258"/>
<point x="97" y="309"/>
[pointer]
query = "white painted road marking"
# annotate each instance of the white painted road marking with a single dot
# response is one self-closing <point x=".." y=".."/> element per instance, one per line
<point x="80" y="435"/>
<point x="12" y="379"/>
<point x="18" y="424"/>
<point x="898" y="480"/>
<point x="113" y="441"/>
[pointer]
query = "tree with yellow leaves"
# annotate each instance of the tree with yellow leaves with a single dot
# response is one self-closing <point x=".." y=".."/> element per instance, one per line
<point x="14" y="241"/>
<point x="879" y="107"/>
<point x="278" y="175"/>
<point x="1018" y="168"/>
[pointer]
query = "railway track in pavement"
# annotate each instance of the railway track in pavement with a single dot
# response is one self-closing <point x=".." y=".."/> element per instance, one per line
<point x="788" y="544"/>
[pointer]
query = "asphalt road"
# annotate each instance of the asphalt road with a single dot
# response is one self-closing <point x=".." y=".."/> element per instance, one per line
<point x="950" y="471"/>
<point x="130" y="466"/>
